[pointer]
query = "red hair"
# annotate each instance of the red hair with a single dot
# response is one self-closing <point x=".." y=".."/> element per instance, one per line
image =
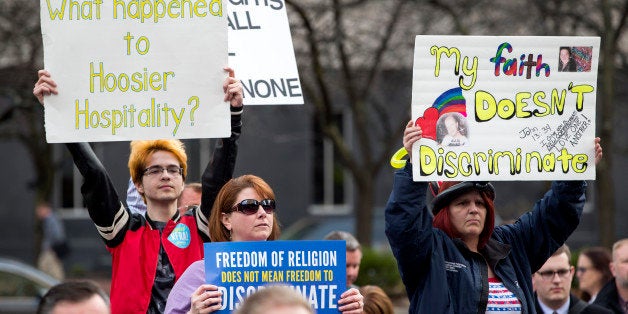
<point x="443" y="221"/>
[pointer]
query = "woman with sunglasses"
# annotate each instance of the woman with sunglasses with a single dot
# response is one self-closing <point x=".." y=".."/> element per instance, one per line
<point x="457" y="261"/>
<point x="244" y="210"/>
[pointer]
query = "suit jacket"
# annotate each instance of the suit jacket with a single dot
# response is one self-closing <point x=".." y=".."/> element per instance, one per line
<point x="608" y="297"/>
<point x="577" y="306"/>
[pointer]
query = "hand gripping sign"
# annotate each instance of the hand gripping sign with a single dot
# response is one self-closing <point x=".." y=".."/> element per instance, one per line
<point x="130" y="69"/>
<point x="316" y="269"/>
<point x="504" y="108"/>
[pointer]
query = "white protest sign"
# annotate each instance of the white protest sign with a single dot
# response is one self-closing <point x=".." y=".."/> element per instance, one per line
<point x="504" y="108"/>
<point x="129" y="69"/>
<point x="261" y="52"/>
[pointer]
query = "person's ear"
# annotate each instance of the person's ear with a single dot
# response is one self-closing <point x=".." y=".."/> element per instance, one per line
<point x="226" y="220"/>
<point x="139" y="187"/>
<point x="572" y="271"/>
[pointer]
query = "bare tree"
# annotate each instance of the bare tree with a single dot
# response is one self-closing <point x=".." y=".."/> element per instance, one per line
<point x="603" y="18"/>
<point x="344" y="46"/>
<point x="340" y="74"/>
<point x="607" y="19"/>
<point x="352" y="55"/>
<point x="347" y="50"/>
<point x="611" y="32"/>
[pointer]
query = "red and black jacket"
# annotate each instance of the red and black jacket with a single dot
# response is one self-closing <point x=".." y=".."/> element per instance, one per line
<point x="133" y="241"/>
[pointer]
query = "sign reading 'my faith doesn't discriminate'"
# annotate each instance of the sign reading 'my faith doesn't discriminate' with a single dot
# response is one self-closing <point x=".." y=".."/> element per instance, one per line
<point x="504" y="107"/>
<point x="129" y="69"/>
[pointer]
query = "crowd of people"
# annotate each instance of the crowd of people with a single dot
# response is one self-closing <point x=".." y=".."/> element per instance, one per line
<point x="150" y="272"/>
<point x="451" y="256"/>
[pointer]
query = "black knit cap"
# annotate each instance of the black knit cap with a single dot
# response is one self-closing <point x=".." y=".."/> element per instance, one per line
<point x="448" y="191"/>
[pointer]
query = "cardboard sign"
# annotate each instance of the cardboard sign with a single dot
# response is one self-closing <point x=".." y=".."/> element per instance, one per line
<point x="261" y="52"/>
<point x="316" y="269"/>
<point x="504" y="108"/>
<point x="129" y="69"/>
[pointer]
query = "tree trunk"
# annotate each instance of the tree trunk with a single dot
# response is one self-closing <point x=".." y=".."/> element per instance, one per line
<point x="363" y="208"/>
<point x="605" y="201"/>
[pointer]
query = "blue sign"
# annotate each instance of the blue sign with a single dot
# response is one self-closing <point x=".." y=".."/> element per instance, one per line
<point x="316" y="269"/>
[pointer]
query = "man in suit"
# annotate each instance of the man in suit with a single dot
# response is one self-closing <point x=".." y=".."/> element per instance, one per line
<point x="552" y="286"/>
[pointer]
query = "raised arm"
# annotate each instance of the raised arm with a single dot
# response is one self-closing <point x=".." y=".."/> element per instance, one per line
<point x="552" y="220"/>
<point x="104" y="207"/>
<point x="408" y="222"/>
<point x="220" y="168"/>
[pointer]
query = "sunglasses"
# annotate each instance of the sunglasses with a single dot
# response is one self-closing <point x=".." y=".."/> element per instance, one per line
<point x="250" y="206"/>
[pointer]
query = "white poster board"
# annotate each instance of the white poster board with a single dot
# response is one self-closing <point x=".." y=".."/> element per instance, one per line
<point x="261" y="52"/>
<point x="504" y="108"/>
<point x="135" y="69"/>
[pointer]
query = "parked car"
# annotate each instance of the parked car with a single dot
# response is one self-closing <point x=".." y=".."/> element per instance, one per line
<point x="316" y="227"/>
<point x="21" y="286"/>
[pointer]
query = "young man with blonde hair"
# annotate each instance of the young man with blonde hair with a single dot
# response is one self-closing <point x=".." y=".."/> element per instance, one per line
<point x="150" y="252"/>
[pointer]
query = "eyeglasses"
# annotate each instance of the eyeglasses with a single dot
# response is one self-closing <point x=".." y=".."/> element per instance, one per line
<point x="582" y="269"/>
<point x="549" y="274"/>
<point x="158" y="170"/>
<point x="250" y="206"/>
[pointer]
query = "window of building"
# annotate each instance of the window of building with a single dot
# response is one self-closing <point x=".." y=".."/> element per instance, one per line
<point x="332" y="185"/>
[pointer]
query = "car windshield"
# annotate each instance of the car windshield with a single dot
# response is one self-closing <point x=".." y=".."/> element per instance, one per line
<point x="317" y="227"/>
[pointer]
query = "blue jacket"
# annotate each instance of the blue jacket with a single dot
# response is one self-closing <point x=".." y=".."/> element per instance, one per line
<point x="442" y="275"/>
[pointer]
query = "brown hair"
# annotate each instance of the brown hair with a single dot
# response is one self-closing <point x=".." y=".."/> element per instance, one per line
<point x="600" y="258"/>
<point x="227" y="197"/>
<point x="75" y="291"/>
<point x="376" y="301"/>
<point x="563" y="249"/>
